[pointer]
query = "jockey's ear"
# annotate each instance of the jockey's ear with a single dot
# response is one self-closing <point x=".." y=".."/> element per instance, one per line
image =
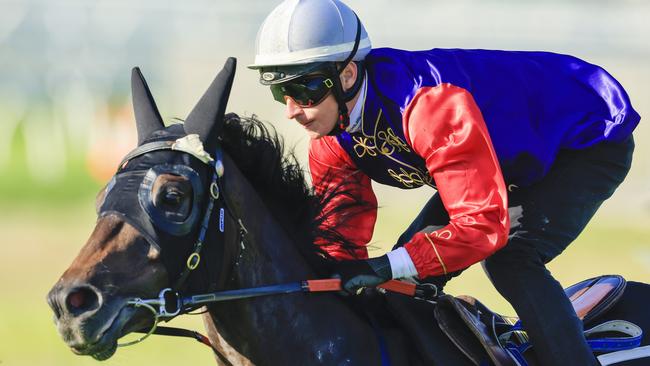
<point x="206" y="119"/>
<point x="147" y="117"/>
<point x="349" y="76"/>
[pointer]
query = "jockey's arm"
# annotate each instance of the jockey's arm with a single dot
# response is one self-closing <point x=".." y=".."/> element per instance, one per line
<point x="444" y="126"/>
<point x="333" y="171"/>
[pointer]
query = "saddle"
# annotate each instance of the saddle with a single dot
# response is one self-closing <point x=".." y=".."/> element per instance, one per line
<point x="486" y="337"/>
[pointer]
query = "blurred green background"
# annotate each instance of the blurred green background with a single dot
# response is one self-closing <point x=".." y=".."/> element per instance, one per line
<point x="66" y="121"/>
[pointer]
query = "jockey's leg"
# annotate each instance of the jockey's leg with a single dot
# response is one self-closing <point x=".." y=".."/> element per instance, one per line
<point x="545" y="219"/>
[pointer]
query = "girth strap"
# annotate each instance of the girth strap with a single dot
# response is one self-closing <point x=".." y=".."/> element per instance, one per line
<point x="632" y="338"/>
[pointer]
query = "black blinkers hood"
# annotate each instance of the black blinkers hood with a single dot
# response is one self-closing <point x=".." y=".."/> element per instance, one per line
<point x="128" y="196"/>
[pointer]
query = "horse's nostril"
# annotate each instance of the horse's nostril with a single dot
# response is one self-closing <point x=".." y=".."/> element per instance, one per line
<point x="81" y="300"/>
<point x="76" y="299"/>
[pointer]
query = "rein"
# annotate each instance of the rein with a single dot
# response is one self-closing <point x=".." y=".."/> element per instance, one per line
<point x="170" y="304"/>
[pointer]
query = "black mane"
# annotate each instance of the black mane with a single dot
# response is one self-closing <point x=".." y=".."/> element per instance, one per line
<point x="277" y="177"/>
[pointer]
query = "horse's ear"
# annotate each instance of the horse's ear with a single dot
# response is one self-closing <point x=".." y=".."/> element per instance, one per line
<point x="147" y="117"/>
<point x="206" y="119"/>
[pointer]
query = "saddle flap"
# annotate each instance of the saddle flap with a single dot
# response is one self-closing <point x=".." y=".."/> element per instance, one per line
<point x="477" y="331"/>
<point x="593" y="297"/>
<point x="464" y="321"/>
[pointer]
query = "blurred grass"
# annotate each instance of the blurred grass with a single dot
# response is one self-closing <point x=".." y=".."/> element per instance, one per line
<point x="40" y="241"/>
<point x="19" y="186"/>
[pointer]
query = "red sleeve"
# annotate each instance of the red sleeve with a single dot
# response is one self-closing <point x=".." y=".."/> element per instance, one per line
<point x="445" y="127"/>
<point x="332" y="169"/>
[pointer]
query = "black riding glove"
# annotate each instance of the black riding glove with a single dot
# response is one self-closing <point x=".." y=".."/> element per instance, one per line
<point x="356" y="274"/>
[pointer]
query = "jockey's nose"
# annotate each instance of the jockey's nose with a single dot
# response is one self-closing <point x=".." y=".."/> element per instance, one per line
<point x="74" y="301"/>
<point x="293" y="109"/>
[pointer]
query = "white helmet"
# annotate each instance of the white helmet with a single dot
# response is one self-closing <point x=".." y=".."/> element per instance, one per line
<point x="299" y="32"/>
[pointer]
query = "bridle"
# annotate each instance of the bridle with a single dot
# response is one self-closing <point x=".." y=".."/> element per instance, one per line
<point x="191" y="145"/>
<point x="171" y="303"/>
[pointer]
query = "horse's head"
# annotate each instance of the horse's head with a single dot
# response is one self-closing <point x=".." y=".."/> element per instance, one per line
<point x="151" y="214"/>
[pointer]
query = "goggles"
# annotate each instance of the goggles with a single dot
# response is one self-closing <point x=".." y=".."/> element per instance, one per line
<point x="307" y="91"/>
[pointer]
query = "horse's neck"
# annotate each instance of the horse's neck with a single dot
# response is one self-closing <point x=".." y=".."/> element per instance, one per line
<point x="266" y="254"/>
<point x="259" y="328"/>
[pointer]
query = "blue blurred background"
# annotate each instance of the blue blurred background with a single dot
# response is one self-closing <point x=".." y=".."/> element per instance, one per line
<point x="66" y="120"/>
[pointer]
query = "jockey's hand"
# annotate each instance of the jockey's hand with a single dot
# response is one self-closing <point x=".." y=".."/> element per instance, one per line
<point x="356" y="274"/>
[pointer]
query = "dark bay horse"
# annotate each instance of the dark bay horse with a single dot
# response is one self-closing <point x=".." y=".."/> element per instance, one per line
<point x="266" y="239"/>
<point x="214" y="204"/>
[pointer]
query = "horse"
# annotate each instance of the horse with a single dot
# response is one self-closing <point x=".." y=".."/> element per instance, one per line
<point x="211" y="206"/>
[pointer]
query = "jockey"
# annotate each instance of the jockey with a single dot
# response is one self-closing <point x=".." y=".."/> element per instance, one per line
<point x="522" y="148"/>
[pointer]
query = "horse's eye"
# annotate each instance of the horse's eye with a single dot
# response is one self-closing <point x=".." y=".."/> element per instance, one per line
<point x="172" y="197"/>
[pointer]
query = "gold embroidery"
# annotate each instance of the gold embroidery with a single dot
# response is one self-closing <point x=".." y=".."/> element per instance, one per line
<point x="410" y="179"/>
<point x="468" y="220"/>
<point x="391" y="142"/>
<point x="445" y="234"/>
<point x="444" y="268"/>
<point x="364" y="145"/>
<point x="386" y="143"/>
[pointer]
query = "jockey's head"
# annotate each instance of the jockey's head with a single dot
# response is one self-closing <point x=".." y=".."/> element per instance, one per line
<point x="310" y="53"/>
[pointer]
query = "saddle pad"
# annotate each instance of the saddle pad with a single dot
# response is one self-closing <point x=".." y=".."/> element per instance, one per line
<point x="593" y="297"/>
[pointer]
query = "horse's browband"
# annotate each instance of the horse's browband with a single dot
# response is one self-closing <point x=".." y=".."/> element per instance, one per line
<point x="146" y="148"/>
<point x="190" y="144"/>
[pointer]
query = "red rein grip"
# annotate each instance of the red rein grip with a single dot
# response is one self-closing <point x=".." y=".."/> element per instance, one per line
<point x="334" y="284"/>
<point x="401" y="287"/>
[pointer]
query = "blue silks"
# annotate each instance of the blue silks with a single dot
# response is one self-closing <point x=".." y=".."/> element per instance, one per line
<point x="534" y="104"/>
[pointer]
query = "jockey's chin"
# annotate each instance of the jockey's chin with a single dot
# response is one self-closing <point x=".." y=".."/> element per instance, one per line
<point x="318" y="120"/>
<point x="316" y="130"/>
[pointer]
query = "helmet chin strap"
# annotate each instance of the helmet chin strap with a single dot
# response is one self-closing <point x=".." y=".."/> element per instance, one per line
<point x="339" y="94"/>
<point x="343" y="120"/>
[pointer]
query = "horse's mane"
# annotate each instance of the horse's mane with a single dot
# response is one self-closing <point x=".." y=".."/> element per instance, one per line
<point x="259" y="152"/>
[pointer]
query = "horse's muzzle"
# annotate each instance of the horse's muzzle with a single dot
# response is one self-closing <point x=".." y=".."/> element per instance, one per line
<point x="87" y="324"/>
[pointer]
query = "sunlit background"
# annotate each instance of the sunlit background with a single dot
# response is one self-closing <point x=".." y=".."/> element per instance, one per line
<point x="66" y="118"/>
